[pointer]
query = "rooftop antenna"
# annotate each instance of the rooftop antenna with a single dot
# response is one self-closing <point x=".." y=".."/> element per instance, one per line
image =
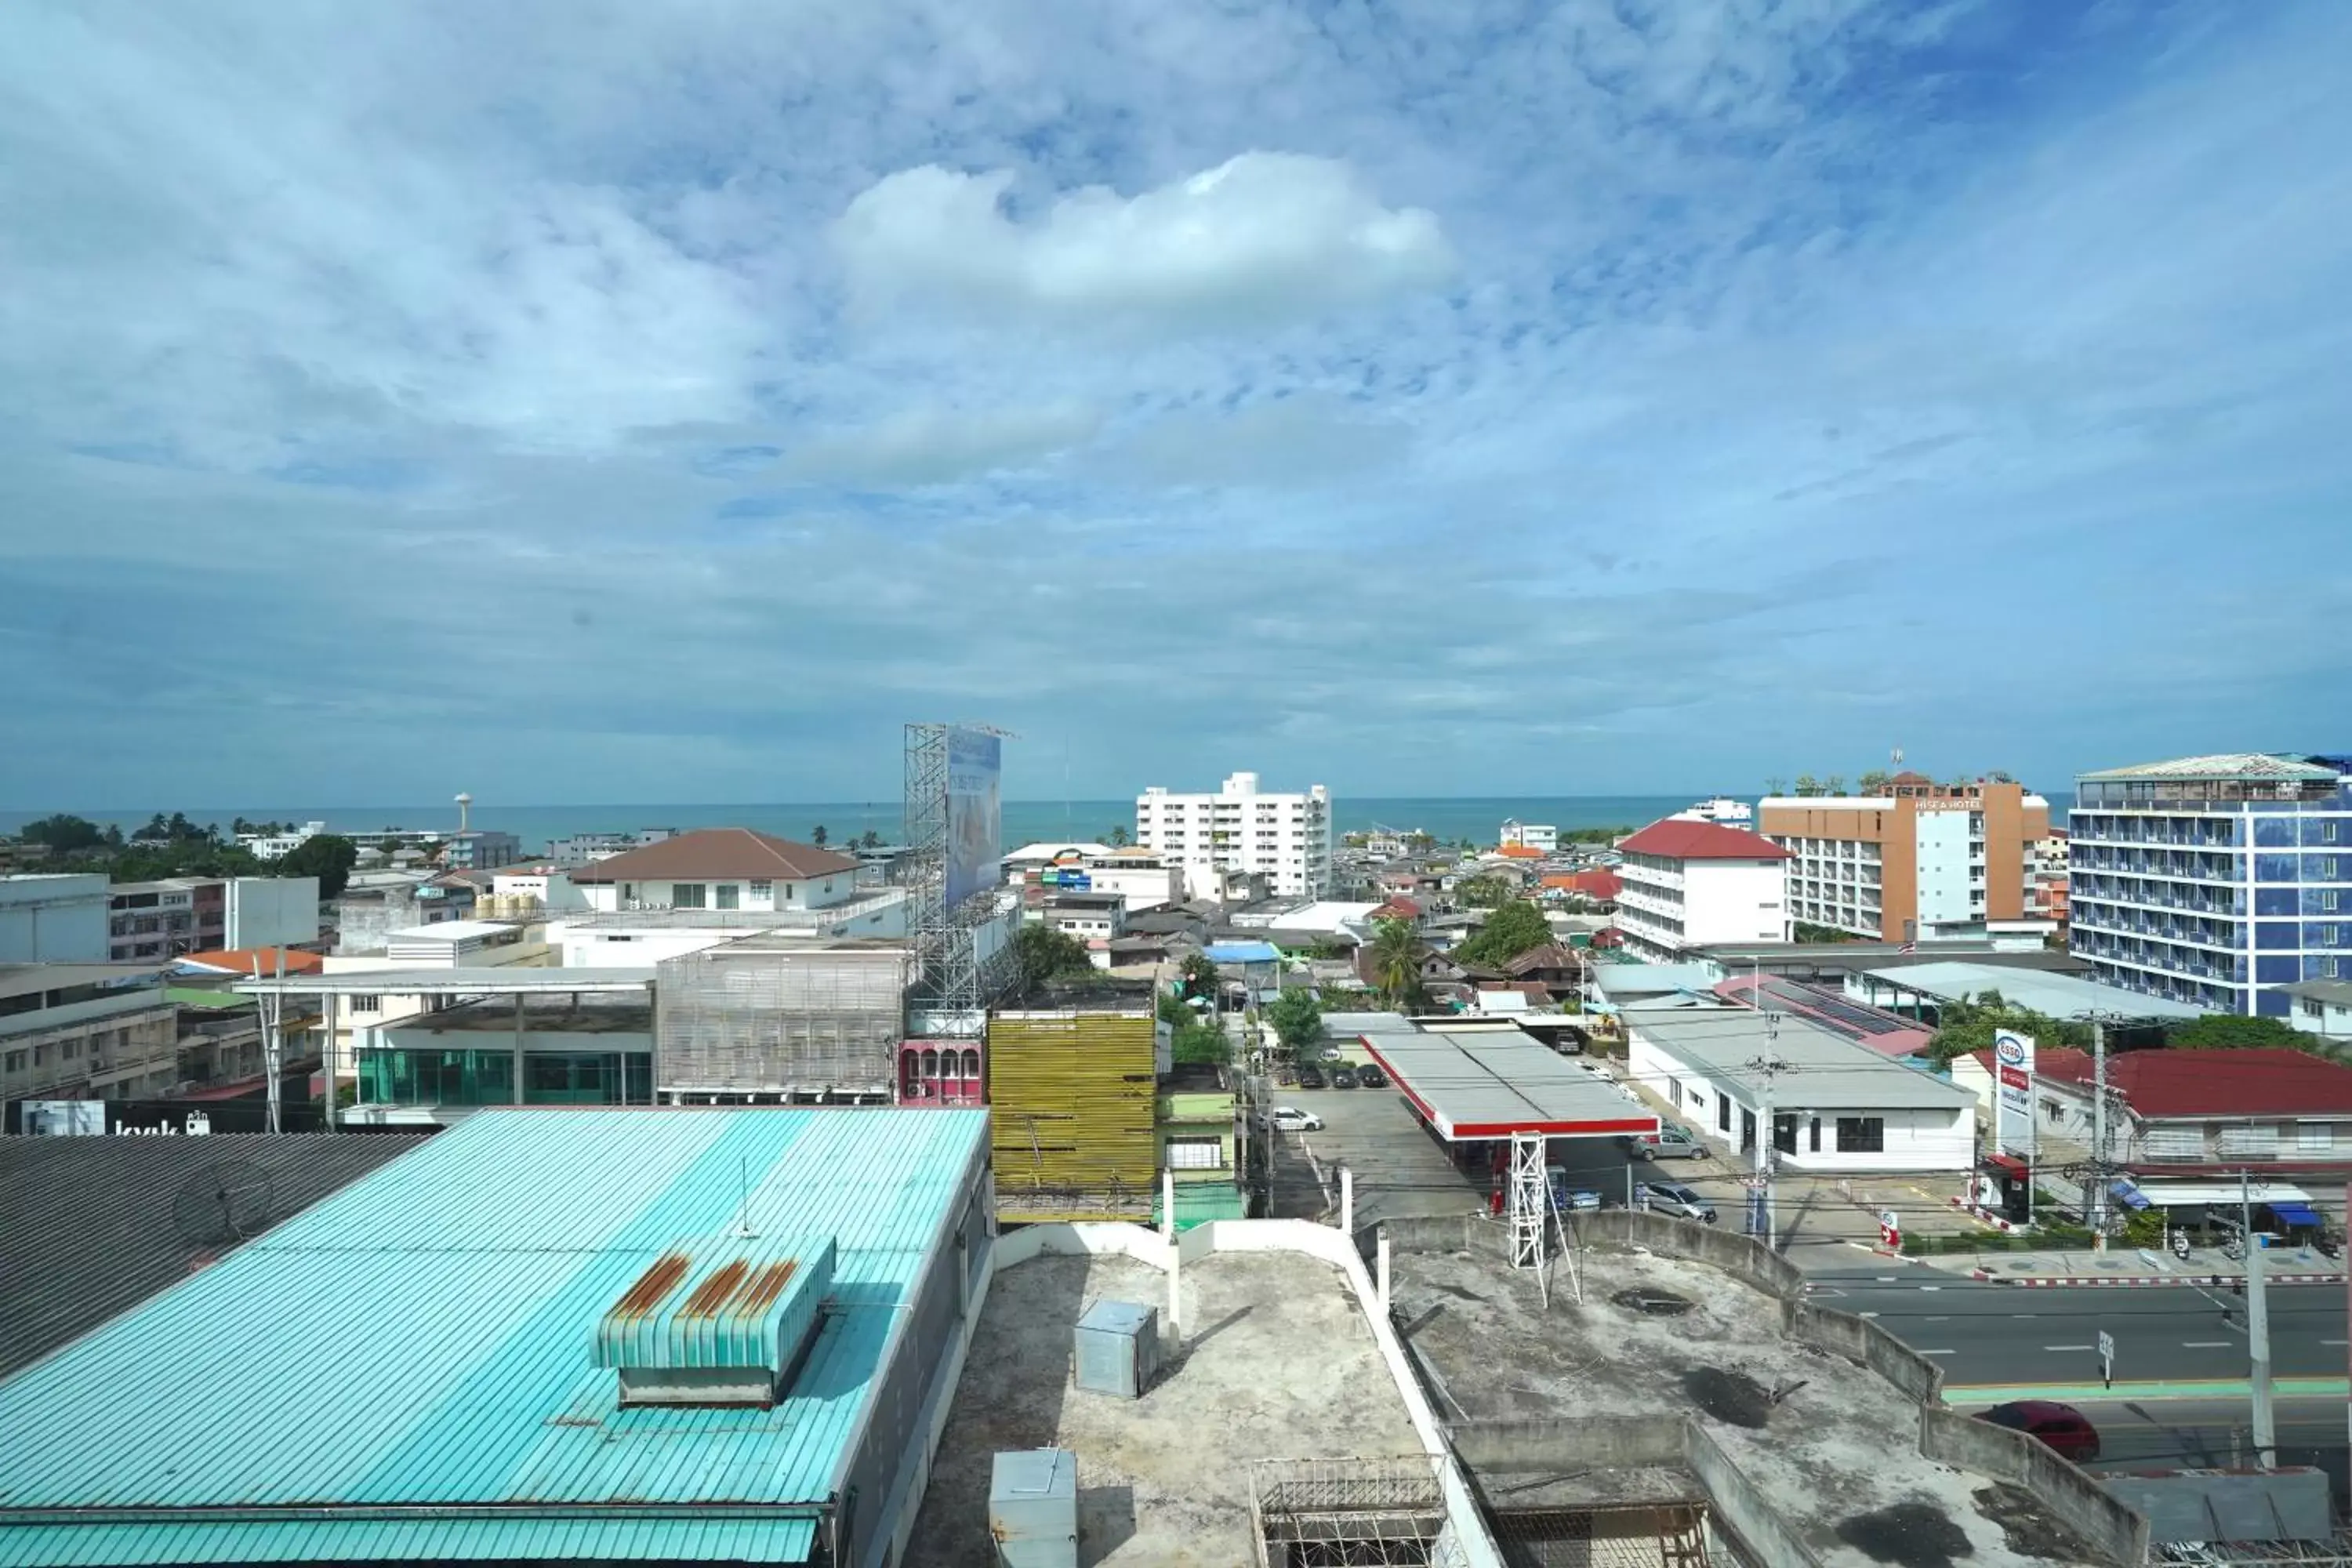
<point x="743" y="1231"/>
<point x="1896" y="757"/>
<point x="465" y="805"/>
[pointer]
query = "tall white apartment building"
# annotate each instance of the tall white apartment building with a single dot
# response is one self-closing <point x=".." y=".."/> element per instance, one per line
<point x="1692" y="884"/>
<point x="1240" y="828"/>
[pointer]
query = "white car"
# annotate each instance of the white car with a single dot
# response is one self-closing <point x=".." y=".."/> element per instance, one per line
<point x="1289" y="1118"/>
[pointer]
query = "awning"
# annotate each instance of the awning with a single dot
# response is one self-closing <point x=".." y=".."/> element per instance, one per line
<point x="2130" y="1197"/>
<point x="2220" y="1194"/>
<point x="2294" y="1214"/>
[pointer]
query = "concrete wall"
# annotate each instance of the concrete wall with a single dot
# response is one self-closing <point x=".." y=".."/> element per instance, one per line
<point x="2118" y="1532"/>
<point x="53" y="918"/>
<point x="1716" y="1247"/>
<point x="1860" y="1340"/>
<point x="1739" y="1506"/>
<point x="271" y="911"/>
<point x="1565" y="1446"/>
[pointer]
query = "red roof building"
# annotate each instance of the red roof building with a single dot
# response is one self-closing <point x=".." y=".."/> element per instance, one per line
<point x="1690" y="884"/>
<point x="1681" y="839"/>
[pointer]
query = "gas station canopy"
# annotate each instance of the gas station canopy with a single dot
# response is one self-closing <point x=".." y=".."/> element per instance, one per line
<point x="1472" y="1084"/>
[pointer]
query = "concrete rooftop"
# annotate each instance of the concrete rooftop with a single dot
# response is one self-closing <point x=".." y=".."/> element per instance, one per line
<point x="1277" y="1364"/>
<point x="1837" y="1457"/>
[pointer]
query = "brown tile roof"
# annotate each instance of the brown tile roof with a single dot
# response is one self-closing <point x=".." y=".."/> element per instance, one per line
<point x="718" y="854"/>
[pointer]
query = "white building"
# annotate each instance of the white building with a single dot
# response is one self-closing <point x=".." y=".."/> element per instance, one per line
<point x="349" y="1022"/>
<point x="718" y="868"/>
<point x="2322" y="1007"/>
<point x="53" y="917"/>
<point x="1690" y="884"/>
<point x="522" y="892"/>
<point x="1286" y="839"/>
<point x="1145" y="878"/>
<point x="1530" y="835"/>
<point x="1834" y="1105"/>
<point x="278" y="846"/>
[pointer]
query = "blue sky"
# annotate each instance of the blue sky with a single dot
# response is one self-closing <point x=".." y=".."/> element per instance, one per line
<point x="610" y="402"/>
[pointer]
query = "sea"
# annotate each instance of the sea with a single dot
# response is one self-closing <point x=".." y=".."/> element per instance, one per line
<point x="1448" y="818"/>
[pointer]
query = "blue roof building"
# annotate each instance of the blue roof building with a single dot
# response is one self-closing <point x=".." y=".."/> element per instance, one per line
<point x="546" y="1335"/>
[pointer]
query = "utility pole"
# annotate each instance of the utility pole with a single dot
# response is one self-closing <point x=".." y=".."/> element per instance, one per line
<point x="2258" y="1330"/>
<point x="1766" y="1067"/>
<point x="2096" y="1209"/>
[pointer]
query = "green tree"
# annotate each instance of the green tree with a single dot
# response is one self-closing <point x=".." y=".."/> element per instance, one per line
<point x="1197" y="975"/>
<point x="64" y="834"/>
<point x="816" y="835"/>
<point x="1200" y="1040"/>
<point x="1776" y="786"/>
<point x="872" y="839"/>
<point x="1118" y="838"/>
<point x="1484" y="893"/>
<point x="1596" y="834"/>
<point x="1041" y="954"/>
<point x="1396" y="962"/>
<point x="1874" y="781"/>
<point x="2230" y="1032"/>
<point x="1297" y="1022"/>
<point x="1833" y="784"/>
<point x="1969" y="1024"/>
<point x="1513" y="929"/>
<point x="326" y="856"/>
<point x="1808" y="784"/>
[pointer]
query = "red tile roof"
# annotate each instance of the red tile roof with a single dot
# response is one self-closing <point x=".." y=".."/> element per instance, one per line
<point x="1681" y="839"/>
<point x="718" y="854"/>
<point x="240" y="960"/>
<point x="1398" y="908"/>
<point x="2219" y="1084"/>
<point x="1520" y="852"/>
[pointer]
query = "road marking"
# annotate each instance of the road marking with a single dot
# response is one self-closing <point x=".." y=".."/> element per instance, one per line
<point x="2021" y="1314"/>
<point x="2069" y="1347"/>
<point x="1886" y="1279"/>
<point x="2204" y="1344"/>
<point x="1931" y="1287"/>
<point x="1944" y="1318"/>
<point x="2331" y="1342"/>
<point x="1867" y="1314"/>
<point x="1940" y="1352"/>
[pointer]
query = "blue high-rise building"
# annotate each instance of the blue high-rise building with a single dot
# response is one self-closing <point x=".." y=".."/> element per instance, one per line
<point x="2214" y="880"/>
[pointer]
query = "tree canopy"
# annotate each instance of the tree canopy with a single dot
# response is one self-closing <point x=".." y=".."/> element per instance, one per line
<point x="1041" y="954"/>
<point x="1484" y="893"/>
<point x="1396" y="962"/>
<point x="1967" y="1025"/>
<point x="64" y="834"/>
<point x="1513" y="929"/>
<point x="326" y="856"/>
<point x="2230" y="1032"/>
<point x="1298" y="1020"/>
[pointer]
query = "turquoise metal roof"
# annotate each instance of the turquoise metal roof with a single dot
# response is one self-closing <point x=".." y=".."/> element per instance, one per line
<point x="427" y="1338"/>
<point x="719" y="1301"/>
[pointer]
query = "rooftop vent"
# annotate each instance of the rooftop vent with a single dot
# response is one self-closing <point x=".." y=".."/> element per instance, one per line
<point x="717" y="1321"/>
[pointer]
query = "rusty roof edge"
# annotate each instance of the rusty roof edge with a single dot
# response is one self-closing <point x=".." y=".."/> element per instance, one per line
<point x="274" y="1513"/>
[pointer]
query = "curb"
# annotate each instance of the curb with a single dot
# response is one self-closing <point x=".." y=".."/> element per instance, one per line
<point x="2089" y="1393"/>
<point x="2210" y="1281"/>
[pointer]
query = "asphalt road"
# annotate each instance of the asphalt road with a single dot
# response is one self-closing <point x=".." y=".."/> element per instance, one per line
<point x="2009" y="1335"/>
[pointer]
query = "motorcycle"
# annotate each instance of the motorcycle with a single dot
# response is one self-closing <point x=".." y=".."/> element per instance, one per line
<point x="2180" y="1245"/>
<point x="2234" y="1249"/>
<point x="2329" y="1245"/>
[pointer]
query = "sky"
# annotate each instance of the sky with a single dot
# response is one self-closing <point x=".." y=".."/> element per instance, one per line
<point x="603" y="403"/>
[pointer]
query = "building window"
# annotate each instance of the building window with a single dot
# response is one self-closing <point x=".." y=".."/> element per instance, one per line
<point x="1862" y="1135"/>
<point x="1722" y="1114"/>
<point x="367" y="1004"/>
<point x="1195" y="1154"/>
<point x="730" y="896"/>
<point x="763" y="889"/>
<point x="2314" y="1137"/>
<point x="15" y="1061"/>
<point x="687" y="896"/>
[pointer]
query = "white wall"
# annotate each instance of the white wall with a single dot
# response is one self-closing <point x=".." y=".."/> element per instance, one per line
<point x="764" y="893"/>
<point x="1943" y="844"/>
<point x="624" y="948"/>
<point x="53" y="919"/>
<point x="269" y="911"/>
<point x="1931" y="1138"/>
<point x="1734" y="901"/>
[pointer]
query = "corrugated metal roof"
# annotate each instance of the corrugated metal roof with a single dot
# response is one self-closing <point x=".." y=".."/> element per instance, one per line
<point x="2261" y="767"/>
<point x="705" y="1539"/>
<point x="2055" y="995"/>
<point x="92" y="1226"/>
<point x="1491" y="1083"/>
<point x="427" y="1337"/>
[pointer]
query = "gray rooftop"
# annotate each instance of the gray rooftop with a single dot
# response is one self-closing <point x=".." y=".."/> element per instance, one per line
<point x="95" y="1225"/>
<point x="1490" y="1082"/>
<point x="2055" y="995"/>
<point x="1276" y="1363"/>
<point x="462" y="981"/>
<point x="23" y="979"/>
<point x="1826" y="1071"/>
<point x="2338" y="992"/>
<point x="1618" y="981"/>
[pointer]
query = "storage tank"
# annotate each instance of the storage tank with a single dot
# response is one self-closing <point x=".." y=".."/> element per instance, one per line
<point x="1118" y="1349"/>
<point x="1032" y="1508"/>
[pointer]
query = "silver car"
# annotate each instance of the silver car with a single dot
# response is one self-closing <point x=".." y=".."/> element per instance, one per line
<point x="1674" y="1198"/>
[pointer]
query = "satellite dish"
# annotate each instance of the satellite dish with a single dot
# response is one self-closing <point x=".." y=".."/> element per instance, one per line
<point x="224" y="1204"/>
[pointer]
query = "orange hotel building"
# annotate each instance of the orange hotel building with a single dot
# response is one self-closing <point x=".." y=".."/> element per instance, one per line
<point x="1911" y="859"/>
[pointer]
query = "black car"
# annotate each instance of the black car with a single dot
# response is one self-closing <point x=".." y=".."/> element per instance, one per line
<point x="1310" y="1076"/>
<point x="1343" y="1078"/>
<point x="1370" y="1076"/>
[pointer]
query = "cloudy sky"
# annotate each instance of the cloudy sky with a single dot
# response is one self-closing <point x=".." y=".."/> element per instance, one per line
<point x="663" y="401"/>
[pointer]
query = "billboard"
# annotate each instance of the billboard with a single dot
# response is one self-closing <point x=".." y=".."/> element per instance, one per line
<point x="2012" y="1066"/>
<point x="975" y="813"/>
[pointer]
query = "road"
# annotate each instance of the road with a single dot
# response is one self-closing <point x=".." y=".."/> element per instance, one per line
<point x="2008" y="1335"/>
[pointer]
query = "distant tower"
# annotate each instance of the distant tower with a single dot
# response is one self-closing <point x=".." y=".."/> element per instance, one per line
<point x="465" y="804"/>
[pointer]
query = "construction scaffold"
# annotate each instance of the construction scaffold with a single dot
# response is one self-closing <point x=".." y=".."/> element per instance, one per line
<point x="767" y="1017"/>
<point x="956" y="973"/>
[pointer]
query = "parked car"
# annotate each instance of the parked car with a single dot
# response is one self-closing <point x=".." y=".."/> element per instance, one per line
<point x="1564" y="1196"/>
<point x="1674" y="1198"/>
<point x="2066" y="1430"/>
<point x="1290" y="1118"/>
<point x="1672" y="1141"/>
<point x="1370" y="1076"/>
<point x="1343" y="1077"/>
<point x="1309" y="1076"/>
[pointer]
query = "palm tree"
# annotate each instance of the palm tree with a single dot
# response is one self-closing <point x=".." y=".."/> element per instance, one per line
<point x="1396" y="961"/>
<point x="1116" y="838"/>
<point x="816" y="835"/>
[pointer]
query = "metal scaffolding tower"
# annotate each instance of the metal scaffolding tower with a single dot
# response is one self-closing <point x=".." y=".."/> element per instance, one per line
<point x="952" y="974"/>
<point x="1530" y="1200"/>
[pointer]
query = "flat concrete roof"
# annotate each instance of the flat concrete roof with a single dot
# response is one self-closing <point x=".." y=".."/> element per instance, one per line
<point x="1476" y="1084"/>
<point x="1276" y="1362"/>
<point x="458" y="982"/>
<point x="2056" y="995"/>
<point x="1837" y="1449"/>
<point x="22" y="979"/>
<point x="1824" y="1072"/>
<point x="598" y="1013"/>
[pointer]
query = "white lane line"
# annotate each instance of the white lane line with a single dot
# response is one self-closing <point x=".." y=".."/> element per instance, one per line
<point x="1940" y="1352"/>
<point x="1865" y="1314"/>
<point x="1944" y="1319"/>
<point x="2331" y="1342"/>
<point x="1886" y="1279"/>
<point x="2204" y="1344"/>
<point x="2067" y="1347"/>
<point x="1931" y="1287"/>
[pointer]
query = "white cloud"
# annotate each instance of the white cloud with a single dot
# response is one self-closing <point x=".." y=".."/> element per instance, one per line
<point x="1264" y="237"/>
<point x="934" y="445"/>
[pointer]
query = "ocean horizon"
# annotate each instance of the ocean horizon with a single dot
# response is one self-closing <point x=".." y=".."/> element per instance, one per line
<point x="1446" y="817"/>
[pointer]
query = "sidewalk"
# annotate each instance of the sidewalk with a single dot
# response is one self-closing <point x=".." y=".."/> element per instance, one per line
<point x="2127" y="1267"/>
